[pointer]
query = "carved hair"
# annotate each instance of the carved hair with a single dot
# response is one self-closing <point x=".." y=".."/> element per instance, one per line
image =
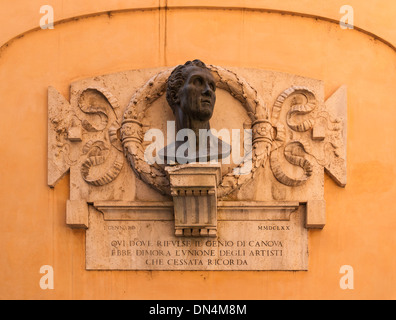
<point x="177" y="79"/>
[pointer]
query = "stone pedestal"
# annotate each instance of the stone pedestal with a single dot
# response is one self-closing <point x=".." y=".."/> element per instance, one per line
<point x="194" y="192"/>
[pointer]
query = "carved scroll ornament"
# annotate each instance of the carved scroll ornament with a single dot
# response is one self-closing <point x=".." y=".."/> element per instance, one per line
<point x="300" y="152"/>
<point x="93" y="135"/>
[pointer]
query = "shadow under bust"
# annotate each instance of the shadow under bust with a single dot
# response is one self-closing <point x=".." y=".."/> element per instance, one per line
<point x="183" y="152"/>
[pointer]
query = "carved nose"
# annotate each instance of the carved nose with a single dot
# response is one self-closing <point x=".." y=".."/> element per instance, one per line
<point x="207" y="91"/>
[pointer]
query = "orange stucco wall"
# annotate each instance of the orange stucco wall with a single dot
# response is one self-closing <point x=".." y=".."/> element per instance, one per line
<point x="146" y="34"/>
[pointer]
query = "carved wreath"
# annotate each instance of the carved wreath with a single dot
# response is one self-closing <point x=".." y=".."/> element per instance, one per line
<point x="154" y="175"/>
<point x="268" y="140"/>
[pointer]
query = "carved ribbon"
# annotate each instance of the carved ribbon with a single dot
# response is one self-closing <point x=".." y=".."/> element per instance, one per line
<point x="298" y="107"/>
<point x="96" y="152"/>
<point x="295" y="151"/>
<point x="293" y="155"/>
<point x="96" y="101"/>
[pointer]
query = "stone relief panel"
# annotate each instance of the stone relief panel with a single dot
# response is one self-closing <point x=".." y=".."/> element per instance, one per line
<point x="247" y="214"/>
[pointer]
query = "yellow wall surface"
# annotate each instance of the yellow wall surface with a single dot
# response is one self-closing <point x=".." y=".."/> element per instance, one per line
<point x="99" y="37"/>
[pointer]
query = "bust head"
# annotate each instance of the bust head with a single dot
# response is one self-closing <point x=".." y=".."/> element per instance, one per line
<point x="191" y="94"/>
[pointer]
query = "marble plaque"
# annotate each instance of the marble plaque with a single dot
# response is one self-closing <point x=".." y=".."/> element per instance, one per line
<point x="272" y="239"/>
<point x="253" y="212"/>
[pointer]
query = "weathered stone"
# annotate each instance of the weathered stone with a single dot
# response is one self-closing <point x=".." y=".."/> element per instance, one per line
<point x="316" y="214"/>
<point x="77" y="214"/>
<point x="266" y="244"/>
<point x="194" y="191"/>
<point x="270" y="196"/>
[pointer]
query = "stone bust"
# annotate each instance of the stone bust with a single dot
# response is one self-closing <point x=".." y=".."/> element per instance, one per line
<point x="191" y="94"/>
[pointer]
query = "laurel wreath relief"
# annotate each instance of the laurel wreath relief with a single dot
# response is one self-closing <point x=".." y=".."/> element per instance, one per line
<point x="268" y="140"/>
<point x="154" y="175"/>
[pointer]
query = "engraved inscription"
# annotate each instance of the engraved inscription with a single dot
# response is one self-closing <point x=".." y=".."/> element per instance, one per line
<point x="241" y="245"/>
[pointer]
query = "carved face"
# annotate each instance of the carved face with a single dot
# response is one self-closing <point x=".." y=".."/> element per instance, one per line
<point x="197" y="96"/>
